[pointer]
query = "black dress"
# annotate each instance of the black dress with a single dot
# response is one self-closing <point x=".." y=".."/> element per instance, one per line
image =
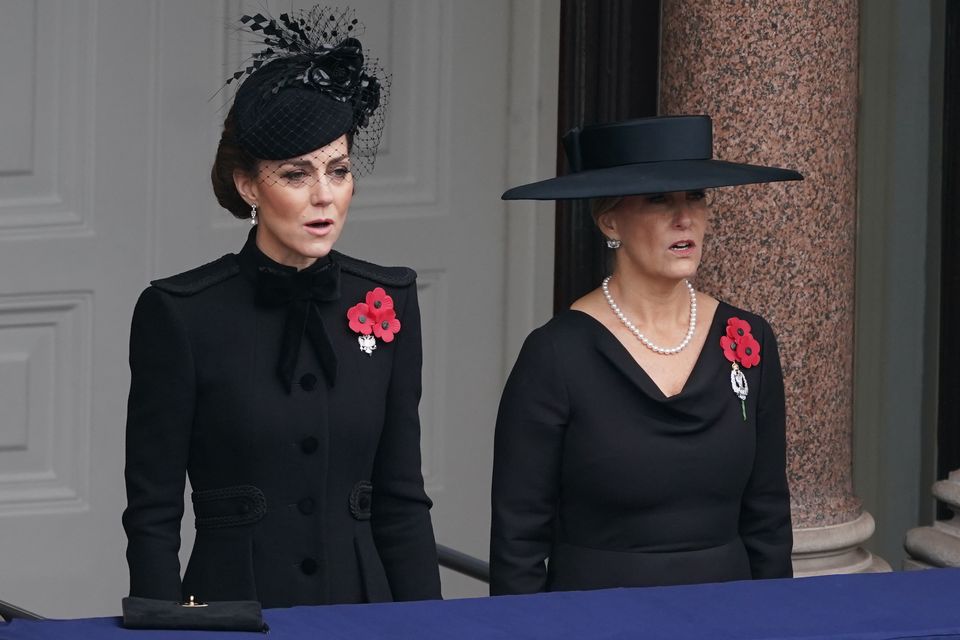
<point x="621" y="486"/>
<point x="304" y="462"/>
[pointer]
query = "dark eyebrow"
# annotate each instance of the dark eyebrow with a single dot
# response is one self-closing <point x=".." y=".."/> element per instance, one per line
<point x="301" y="164"/>
<point x="298" y="163"/>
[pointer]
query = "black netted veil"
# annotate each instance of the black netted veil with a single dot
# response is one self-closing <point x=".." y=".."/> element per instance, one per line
<point x="308" y="86"/>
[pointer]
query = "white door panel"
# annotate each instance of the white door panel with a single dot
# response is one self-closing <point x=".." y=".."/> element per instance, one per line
<point x="73" y="197"/>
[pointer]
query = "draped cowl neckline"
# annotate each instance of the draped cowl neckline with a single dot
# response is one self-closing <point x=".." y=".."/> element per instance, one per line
<point x="618" y="355"/>
<point x="705" y="391"/>
<point x="298" y="292"/>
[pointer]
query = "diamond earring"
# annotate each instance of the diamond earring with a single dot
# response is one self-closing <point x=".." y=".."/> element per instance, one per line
<point x="253" y="214"/>
<point x="613" y="244"/>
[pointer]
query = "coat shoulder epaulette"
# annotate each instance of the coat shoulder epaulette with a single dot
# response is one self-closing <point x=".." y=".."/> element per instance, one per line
<point x="203" y="277"/>
<point x="391" y="276"/>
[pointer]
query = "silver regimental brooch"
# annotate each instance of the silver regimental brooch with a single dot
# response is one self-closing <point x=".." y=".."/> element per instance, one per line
<point x="367" y="344"/>
<point x="738" y="382"/>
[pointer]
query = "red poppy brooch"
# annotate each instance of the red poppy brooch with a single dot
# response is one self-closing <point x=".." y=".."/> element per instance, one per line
<point x="374" y="318"/>
<point x="743" y="350"/>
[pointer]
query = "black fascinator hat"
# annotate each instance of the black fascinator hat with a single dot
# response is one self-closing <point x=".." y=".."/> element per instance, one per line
<point x="647" y="155"/>
<point x="309" y="85"/>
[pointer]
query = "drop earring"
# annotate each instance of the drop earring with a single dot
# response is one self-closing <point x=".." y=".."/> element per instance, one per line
<point x="253" y="214"/>
<point x="613" y="243"/>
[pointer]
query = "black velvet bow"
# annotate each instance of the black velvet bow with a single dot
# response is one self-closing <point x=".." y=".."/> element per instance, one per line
<point x="300" y="291"/>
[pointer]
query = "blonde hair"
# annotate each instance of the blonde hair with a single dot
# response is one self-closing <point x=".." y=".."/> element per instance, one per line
<point x="600" y="206"/>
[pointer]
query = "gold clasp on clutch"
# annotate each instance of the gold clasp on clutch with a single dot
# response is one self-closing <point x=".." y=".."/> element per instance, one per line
<point x="193" y="602"/>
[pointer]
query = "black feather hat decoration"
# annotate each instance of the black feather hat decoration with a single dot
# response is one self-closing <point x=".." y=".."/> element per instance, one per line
<point x="310" y="84"/>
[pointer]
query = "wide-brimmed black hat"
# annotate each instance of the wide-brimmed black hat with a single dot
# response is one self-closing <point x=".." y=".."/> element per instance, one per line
<point x="647" y="155"/>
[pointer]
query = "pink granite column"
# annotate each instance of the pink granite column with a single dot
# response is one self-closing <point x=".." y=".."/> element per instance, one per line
<point x="779" y="78"/>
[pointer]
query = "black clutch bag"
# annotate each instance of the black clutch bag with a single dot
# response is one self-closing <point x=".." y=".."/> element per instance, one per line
<point x="237" y="615"/>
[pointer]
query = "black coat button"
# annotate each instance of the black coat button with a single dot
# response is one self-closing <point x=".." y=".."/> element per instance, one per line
<point x="309" y="444"/>
<point x="245" y="507"/>
<point x="308" y="566"/>
<point x="306" y="506"/>
<point x="308" y="381"/>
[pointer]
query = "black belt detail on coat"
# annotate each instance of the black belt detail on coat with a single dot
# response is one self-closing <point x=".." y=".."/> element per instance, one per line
<point x="361" y="497"/>
<point x="300" y="292"/>
<point x="228" y="506"/>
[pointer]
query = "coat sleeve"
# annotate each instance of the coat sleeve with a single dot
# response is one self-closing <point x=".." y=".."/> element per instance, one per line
<point x="400" y="519"/>
<point x="765" y="509"/>
<point x="528" y="446"/>
<point x="159" y="419"/>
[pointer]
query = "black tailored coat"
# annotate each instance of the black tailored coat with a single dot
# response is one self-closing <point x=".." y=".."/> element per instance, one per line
<point x="310" y="495"/>
<point x="620" y="486"/>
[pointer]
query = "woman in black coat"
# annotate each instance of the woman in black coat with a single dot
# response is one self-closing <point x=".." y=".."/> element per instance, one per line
<point x="640" y="439"/>
<point x="285" y="379"/>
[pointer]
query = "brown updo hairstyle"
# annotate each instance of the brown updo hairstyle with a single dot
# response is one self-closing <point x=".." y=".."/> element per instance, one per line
<point x="230" y="158"/>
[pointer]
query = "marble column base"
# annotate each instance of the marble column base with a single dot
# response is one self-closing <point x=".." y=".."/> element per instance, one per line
<point x="835" y="549"/>
<point x="915" y="565"/>
<point x="939" y="545"/>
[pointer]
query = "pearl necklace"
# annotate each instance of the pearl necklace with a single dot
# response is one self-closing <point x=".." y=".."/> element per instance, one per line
<point x="644" y="339"/>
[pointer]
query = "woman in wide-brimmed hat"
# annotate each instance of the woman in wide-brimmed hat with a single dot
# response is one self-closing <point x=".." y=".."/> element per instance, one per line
<point x="640" y="438"/>
<point x="284" y="379"/>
